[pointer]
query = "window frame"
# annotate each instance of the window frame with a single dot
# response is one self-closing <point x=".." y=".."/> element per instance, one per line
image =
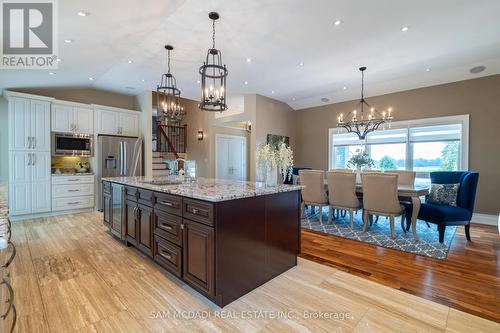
<point x="463" y="162"/>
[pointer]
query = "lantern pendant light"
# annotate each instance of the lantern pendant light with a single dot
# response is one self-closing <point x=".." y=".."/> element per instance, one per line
<point x="168" y="95"/>
<point x="213" y="77"/>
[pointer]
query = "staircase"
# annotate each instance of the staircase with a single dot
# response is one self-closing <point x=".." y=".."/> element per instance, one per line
<point x="169" y="144"/>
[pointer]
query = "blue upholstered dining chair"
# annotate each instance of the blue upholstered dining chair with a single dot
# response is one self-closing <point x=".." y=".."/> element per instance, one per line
<point x="445" y="215"/>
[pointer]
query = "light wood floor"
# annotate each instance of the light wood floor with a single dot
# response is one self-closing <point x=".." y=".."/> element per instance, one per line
<point x="71" y="276"/>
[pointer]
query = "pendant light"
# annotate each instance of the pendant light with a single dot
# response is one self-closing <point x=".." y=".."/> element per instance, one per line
<point x="168" y="95"/>
<point x="213" y="77"/>
<point x="363" y="122"/>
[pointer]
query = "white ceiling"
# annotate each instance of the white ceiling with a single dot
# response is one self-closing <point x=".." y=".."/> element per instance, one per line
<point x="447" y="36"/>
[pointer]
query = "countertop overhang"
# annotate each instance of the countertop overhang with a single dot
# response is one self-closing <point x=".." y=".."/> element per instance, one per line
<point x="208" y="189"/>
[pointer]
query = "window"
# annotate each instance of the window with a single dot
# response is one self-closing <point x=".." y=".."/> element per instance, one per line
<point x="421" y="145"/>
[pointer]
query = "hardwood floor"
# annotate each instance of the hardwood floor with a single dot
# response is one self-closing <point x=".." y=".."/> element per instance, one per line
<point x="469" y="280"/>
<point x="71" y="276"/>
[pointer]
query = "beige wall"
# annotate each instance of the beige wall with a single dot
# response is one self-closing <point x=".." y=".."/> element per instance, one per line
<point x="87" y="96"/>
<point x="478" y="98"/>
<point x="274" y="117"/>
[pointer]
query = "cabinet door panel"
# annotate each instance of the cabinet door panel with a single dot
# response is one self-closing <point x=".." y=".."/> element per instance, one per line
<point x="41" y="167"/>
<point x="40" y="197"/>
<point x="62" y="118"/>
<point x="107" y="212"/>
<point x="20" y="167"/>
<point x="198" y="267"/>
<point x="19" y="198"/>
<point x="129" y="124"/>
<point x="130" y="221"/>
<point x="107" y="122"/>
<point x="40" y="125"/>
<point x="145" y="239"/>
<point x="19" y="123"/>
<point x="84" y="120"/>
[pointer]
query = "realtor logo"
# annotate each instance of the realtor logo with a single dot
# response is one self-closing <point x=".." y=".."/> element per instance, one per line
<point x="28" y="34"/>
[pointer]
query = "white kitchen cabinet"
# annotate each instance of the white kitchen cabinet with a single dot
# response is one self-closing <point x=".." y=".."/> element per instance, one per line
<point x="72" y="192"/>
<point x="29" y="155"/>
<point x="29" y="182"/>
<point x="72" y="118"/>
<point x="113" y="122"/>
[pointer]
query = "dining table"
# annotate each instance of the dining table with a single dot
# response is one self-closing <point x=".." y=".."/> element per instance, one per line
<point x="412" y="193"/>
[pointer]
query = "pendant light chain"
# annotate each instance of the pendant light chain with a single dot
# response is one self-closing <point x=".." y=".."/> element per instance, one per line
<point x="213" y="34"/>
<point x="168" y="61"/>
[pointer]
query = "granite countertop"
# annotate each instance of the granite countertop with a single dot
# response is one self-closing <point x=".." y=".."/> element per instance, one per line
<point x="207" y="189"/>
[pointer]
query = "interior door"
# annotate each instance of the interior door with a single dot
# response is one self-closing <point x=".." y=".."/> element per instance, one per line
<point x="231" y="154"/>
<point x="40" y="125"/>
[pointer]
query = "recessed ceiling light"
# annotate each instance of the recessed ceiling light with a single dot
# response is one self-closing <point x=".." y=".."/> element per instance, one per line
<point x="198" y="81"/>
<point x="272" y="91"/>
<point x="337" y="22"/>
<point x="477" y="69"/>
<point x="91" y="78"/>
<point x="246" y="82"/>
<point x="52" y="73"/>
<point x="293" y="98"/>
<point x="82" y="13"/>
<point x="143" y="80"/>
<point x="68" y="41"/>
<point x="405" y="28"/>
<point x="301" y="64"/>
<point x="427" y="69"/>
<point x="130" y="61"/>
<point x="249" y="59"/>
<point x="344" y="88"/>
<point x="324" y="100"/>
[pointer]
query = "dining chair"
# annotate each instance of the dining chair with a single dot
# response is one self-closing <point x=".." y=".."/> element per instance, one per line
<point x="313" y="193"/>
<point x="341" y="170"/>
<point x="405" y="177"/>
<point x="380" y="197"/>
<point x="342" y="193"/>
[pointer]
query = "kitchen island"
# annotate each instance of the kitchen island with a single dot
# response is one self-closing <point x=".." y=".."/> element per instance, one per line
<point x="224" y="238"/>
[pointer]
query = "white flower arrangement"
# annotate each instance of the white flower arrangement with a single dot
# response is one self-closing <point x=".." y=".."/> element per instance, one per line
<point x="269" y="159"/>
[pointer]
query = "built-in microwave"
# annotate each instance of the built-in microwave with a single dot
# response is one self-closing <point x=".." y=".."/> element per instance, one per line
<point x="72" y="144"/>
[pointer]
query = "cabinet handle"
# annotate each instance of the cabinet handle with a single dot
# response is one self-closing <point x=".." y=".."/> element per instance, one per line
<point x="195" y="211"/>
<point x="73" y="203"/>
<point x="73" y="190"/>
<point x="73" y="180"/>
<point x="29" y="159"/>
<point x="167" y="256"/>
<point x="167" y="227"/>
<point x="34" y="142"/>
<point x="182" y="226"/>
<point x="34" y="159"/>
<point x="166" y="203"/>
<point x="29" y="142"/>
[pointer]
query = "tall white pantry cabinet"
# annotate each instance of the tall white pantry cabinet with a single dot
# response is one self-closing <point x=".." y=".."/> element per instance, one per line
<point x="29" y="156"/>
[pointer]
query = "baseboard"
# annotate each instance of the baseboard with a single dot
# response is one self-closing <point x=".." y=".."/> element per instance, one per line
<point x="486" y="219"/>
<point x="49" y="214"/>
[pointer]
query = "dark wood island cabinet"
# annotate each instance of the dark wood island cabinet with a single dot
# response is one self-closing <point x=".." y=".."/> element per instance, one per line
<point x="224" y="246"/>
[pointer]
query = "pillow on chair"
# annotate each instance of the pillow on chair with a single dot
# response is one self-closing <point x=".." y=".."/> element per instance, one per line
<point x="444" y="194"/>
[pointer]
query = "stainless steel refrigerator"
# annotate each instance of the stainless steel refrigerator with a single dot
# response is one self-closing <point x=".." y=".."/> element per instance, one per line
<point x="117" y="156"/>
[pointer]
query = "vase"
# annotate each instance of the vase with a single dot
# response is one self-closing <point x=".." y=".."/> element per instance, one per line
<point x="358" y="175"/>
<point x="272" y="176"/>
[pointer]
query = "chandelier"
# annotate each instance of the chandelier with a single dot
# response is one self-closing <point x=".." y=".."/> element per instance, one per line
<point x="363" y="122"/>
<point x="213" y="77"/>
<point x="168" y="95"/>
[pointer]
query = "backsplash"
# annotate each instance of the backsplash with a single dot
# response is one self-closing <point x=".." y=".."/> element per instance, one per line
<point x="68" y="164"/>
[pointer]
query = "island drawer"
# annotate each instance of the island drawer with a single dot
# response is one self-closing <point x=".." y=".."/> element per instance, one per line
<point x="145" y="197"/>
<point x="131" y="193"/>
<point x="168" y="226"/>
<point x="168" y="203"/>
<point x="199" y="211"/>
<point x="106" y="187"/>
<point x="168" y="255"/>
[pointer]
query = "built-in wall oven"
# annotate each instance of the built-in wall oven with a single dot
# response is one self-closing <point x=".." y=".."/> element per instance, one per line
<point x="72" y="144"/>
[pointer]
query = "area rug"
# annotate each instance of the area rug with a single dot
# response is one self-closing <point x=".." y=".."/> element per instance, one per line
<point x="379" y="234"/>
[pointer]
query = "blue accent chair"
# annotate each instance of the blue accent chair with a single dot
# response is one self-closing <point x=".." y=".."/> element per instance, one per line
<point x="295" y="171"/>
<point x="444" y="215"/>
